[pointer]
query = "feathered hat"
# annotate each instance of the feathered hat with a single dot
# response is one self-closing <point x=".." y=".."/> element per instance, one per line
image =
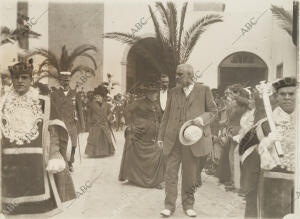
<point x="23" y="67"/>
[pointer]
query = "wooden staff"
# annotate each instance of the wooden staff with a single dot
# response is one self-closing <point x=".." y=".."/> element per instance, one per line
<point x="265" y="90"/>
<point x="297" y="166"/>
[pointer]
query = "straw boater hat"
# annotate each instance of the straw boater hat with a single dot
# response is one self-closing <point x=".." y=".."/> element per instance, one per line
<point x="190" y="133"/>
<point x="65" y="73"/>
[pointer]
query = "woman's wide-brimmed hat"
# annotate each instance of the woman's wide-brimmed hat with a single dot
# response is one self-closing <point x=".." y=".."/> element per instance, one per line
<point x="148" y="87"/>
<point x="101" y="90"/>
<point x="190" y="133"/>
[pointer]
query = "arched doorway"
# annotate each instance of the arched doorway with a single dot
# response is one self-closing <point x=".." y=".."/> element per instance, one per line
<point x="244" y="68"/>
<point x="140" y="67"/>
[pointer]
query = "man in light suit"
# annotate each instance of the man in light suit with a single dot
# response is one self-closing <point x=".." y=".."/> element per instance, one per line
<point x="188" y="101"/>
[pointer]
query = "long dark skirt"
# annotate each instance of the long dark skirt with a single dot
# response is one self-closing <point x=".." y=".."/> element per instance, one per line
<point x="223" y="169"/>
<point x="143" y="162"/>
<point x="99" y="142"/>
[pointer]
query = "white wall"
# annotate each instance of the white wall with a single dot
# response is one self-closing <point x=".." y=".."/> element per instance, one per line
<point x="264" y="39"/>
<point x="8" y="11"/>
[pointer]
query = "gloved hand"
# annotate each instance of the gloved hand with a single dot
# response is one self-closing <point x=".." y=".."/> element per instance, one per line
<point x="56" y="165"/>
<point x="160" y="144"/>
<point x="236" y="138"/>
<point x="198" y="121"/>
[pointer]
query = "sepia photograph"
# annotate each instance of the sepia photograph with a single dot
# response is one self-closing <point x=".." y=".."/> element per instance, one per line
<point x="149" y="109"/>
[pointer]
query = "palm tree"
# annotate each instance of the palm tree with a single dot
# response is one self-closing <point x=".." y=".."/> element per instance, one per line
<point x="22" y="32"/>
<point x="284" y="17"/>
<point x="174" y="43"/>
<point x="65" y="62"/>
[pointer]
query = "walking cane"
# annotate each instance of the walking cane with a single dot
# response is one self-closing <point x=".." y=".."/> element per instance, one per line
<point x="78" y="143"/>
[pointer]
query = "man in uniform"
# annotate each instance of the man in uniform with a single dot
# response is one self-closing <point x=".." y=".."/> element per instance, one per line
<point x="33" y="142"/>
<point x="69" y="105"/>
<point x="257" y="148"/>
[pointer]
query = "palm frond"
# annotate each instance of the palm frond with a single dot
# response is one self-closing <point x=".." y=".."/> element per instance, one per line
<point x="163" y="13"/>
<point x="284" y="17"/>
<point x="126" y="38"/>
<point x="44" y="63"/>
<point x="91" y="58"/>
<point x="6" y="31"/>
<point x="173" y="28"/>
<point x="80" y="50"/>
<point x="7" y="35"/>
<point x="50" y="57"/>
<point x="181" y="27"/>
<point x="82" y="68"/>
<point x="64" y="59"/>
<point x="47" y="76"/>
<point x="159" y="36"/>
<point x="193" y="34"/>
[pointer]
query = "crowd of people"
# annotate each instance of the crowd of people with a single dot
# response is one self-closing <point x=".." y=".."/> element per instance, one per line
<point x="190" y="125"/>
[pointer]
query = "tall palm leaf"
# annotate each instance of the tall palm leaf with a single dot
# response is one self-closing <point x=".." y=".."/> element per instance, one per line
<point x="7" y="35"/>
<point x="193" y="34"/>
<point x="284" y="17"/>
<point x="65" y="62"/>
<point x="172" y="48"/>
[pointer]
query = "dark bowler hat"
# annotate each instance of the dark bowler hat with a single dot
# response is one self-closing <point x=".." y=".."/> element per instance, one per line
<point x="285" y="82"/>
<point x="23" y="67"/>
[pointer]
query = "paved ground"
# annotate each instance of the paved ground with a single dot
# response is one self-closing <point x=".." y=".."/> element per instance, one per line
<point x="106" y="197"/>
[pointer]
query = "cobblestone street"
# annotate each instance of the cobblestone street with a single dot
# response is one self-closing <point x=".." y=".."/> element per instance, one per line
<point x="101" y="195"/>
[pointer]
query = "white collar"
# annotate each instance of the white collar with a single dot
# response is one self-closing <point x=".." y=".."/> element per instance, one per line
<point x="281" y="116"/>
<point x="189" y="87"/>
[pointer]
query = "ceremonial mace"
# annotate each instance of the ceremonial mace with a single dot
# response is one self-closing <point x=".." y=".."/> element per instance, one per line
<point x="265" y="90"/>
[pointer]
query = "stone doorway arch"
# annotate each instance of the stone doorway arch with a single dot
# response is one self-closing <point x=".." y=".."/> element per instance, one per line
<point x="245" y="68"/>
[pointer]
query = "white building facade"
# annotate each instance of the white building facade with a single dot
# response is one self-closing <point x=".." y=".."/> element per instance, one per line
<point x="249" y="40"/>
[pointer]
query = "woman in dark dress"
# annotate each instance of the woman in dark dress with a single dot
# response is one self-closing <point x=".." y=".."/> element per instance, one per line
<point x="99" y="142"/>
<point x="143" y="162"/>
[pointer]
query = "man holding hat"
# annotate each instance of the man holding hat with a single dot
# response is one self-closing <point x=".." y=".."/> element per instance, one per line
<point x="258" y="152"/>
<point x="185" y="136"/>
<point x="69" y="104"/>
<point x="34" y="176"/>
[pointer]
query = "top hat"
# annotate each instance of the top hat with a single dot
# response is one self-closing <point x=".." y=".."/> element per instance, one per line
<point x="190" y="133"/>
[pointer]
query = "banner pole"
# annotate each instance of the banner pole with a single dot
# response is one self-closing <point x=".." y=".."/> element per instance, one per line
<point x="297" y="178"/>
